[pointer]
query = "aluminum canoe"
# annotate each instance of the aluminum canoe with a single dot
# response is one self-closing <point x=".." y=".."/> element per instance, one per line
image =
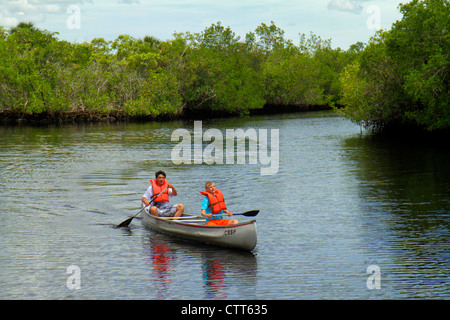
<point x="240" y="236"/>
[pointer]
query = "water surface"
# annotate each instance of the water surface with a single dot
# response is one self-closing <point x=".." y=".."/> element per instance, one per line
<point x="339" y="203"/>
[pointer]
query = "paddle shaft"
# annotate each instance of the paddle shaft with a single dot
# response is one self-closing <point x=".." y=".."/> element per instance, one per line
<point x="128" y="221"/>
<point x="151" y="201"/>
<point x="250" y="213"/>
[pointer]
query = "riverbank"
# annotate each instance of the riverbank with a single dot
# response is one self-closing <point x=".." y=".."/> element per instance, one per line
<point x="8" y="117"/>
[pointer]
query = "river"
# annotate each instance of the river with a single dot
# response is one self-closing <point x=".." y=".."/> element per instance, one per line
<point x="343" y="215"/>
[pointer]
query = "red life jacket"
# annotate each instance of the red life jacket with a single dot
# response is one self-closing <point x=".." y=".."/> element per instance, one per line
<point x="164" y="197"/>
<point x="216" y="201"/>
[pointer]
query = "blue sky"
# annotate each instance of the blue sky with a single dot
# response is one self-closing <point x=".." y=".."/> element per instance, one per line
<point x="344" y="21"/>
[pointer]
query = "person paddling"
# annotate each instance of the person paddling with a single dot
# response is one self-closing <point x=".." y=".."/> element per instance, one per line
<point x="213" y="205"/>
<point x="161" y="206"/>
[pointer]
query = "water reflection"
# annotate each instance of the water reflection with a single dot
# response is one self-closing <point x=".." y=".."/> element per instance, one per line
<point x="216" y="270"/>
<point x="214" y="276"/>
<point x="404" y="192"/>
<point x="160" y="256"/>
<point x="402" y="177"/>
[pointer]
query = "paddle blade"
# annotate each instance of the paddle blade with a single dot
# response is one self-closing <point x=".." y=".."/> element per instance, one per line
<point x="251" y="213"/>
<point x="125" y="223"/>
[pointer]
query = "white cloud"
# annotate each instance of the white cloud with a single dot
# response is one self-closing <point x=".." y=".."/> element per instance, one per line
<point x="353" y="6"/>
<point x="7" y="20"/>
<point x="14" y="11"/>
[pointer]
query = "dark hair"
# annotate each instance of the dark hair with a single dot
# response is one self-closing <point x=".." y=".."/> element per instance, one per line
<point x="160" y="172"/>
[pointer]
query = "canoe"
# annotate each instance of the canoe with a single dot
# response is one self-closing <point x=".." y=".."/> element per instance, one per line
<point x="239" y="236"/>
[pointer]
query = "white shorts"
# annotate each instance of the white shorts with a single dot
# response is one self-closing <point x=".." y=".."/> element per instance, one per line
<point x="166" y="209"/>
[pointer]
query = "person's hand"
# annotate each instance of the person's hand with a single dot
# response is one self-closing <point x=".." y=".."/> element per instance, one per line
<point x="209" y="215"/>
<point x="230" y="213"/>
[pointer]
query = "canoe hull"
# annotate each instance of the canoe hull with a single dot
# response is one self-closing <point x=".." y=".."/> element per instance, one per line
<point x="240" y="236"/>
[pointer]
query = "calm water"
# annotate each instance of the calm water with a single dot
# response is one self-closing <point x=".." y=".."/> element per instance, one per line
<point x="339" y="203"/>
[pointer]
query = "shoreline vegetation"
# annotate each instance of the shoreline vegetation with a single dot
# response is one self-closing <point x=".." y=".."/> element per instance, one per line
<point x="9" y="117"/>
<point x="399" y="79"/>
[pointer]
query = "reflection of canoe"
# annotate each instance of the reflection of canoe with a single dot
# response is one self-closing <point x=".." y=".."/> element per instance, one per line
<point x="239" y="236"/>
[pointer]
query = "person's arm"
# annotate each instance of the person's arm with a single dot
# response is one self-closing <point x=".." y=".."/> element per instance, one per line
<point x="206" y="215"/>
<point x="205" y="204"/>
<point x="145" y="201"/>
<point x="228" y="212"/>
<point x="147" y="195"/>
<point x="174" y="191"/>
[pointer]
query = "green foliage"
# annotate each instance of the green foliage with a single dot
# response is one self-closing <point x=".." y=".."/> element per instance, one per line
<point x="158" y="95"/>
<point x="214" y="72"/>
<point x="271" y="38"/>
<point x="354" y="88"/>
<point x="399" y="77"/>
<point x="29" y="68"/>
<point x="372" y="93"/>
<point x="402" y="76"/>
<point x="210" y="70"/>
<point x="290" y="80"/>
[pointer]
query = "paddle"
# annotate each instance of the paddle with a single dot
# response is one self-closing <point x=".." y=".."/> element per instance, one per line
<point x="127" y="222"/>
<point x="250" y="213"/>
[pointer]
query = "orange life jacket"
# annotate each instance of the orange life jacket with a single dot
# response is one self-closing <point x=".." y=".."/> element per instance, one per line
<point x="164" y="197"/>
<point x="216" y="201"/>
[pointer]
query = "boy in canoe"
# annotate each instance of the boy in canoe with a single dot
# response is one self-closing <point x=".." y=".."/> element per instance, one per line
<point x="213" y="207"/>
<point x="159" y="191"/>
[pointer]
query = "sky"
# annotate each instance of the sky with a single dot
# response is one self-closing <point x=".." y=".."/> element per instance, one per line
<point x="345" y="22"/>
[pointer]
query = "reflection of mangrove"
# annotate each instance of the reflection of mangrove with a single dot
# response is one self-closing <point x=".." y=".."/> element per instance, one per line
<point x="412" y="179"/>
<point x="404" y="187"/>
<point x="219" y="267"/>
